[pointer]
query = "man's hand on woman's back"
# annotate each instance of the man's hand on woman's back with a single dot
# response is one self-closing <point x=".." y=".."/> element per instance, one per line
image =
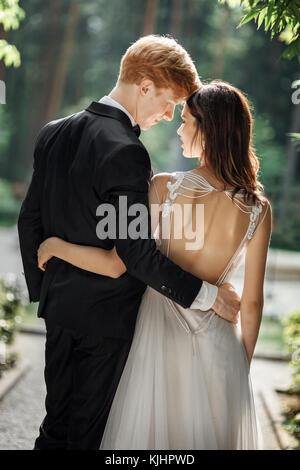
<point x="227" y="304"/>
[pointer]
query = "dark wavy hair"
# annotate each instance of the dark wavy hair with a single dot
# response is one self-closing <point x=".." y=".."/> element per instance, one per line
<point x="225" y="124"/>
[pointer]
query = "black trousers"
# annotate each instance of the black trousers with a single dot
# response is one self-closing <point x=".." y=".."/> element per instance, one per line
<point x="82" y="374"/>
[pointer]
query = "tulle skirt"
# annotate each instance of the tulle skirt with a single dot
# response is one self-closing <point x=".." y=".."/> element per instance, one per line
<point x="186" y="384"/>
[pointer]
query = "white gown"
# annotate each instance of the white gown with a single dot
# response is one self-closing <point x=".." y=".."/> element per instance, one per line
<point x="186" y="383"/>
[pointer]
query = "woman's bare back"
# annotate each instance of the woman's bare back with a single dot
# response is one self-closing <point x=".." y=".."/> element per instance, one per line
<point x="195" y="206"/>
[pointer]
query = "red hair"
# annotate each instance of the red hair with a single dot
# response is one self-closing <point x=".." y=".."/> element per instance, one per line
<point x="162" y="60"/>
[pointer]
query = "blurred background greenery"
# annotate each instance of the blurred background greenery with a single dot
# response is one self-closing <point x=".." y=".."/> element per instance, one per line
<point x="58" y="56"/>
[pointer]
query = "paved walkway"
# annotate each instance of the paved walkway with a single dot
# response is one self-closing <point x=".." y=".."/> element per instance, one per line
<point x="22" y="410"/>
<point x="10" y="258"/>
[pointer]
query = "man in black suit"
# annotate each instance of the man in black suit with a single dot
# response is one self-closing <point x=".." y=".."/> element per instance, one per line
<point x="81" y="161"/>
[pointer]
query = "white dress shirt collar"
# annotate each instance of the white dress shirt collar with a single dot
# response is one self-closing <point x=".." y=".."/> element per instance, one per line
<point x="111" y="102"/>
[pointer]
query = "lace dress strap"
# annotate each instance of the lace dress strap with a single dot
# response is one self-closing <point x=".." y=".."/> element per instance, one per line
<point x="252" y="227"/>
<point x="261" y="221"/>
<point x="183" y="182"/>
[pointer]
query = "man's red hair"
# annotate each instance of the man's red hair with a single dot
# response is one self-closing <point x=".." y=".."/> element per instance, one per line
<point x="162" y="60"/>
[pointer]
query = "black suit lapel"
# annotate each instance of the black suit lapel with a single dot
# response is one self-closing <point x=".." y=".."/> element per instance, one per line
<point x="110" y="112"/>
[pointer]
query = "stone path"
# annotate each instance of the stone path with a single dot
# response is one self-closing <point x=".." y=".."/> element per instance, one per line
<point x="22" y="409"/>
<point x="10" y="258"/>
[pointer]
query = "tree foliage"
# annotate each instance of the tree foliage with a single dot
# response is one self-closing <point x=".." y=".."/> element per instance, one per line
<point x="278" y="17"/>
<point x="70" y="59"/>
<point x="10" y="16"/>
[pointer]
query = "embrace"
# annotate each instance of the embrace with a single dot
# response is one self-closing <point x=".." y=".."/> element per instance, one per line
<point x="142" y="349"/>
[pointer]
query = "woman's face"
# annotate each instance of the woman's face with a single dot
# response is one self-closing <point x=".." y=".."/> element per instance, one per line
<point x="192" y="146"/>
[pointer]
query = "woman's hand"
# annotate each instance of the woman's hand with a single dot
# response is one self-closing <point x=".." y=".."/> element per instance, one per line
<point x="119" y="267"/>
<point x="46" y="251"/>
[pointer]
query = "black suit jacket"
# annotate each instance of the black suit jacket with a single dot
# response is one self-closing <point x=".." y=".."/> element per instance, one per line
<point x="81" y="161"/>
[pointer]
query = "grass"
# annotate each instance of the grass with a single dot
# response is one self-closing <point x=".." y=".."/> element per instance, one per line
<point x="29" y="317"/>
<point x="7" y="223"/>
<point x="9" y="206"/>
<point x="270" y="340"/>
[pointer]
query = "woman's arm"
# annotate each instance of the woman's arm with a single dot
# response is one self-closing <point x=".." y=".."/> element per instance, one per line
<point x="98" y="260"/>
<point x="252" y="300"/>
<point x="89" y="258"/>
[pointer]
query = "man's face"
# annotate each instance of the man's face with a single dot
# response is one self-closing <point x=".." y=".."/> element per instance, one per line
<point x="155" y="104"/>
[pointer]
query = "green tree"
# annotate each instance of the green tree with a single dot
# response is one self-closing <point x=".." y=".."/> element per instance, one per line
<point x="64" y="68"/>
<point x="280" y="18"/>
<point x="10" y="16"/>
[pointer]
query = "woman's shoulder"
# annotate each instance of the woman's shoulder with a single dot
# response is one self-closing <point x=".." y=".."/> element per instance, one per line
<point x="264" y="205"/>
<point x="163" y="177"/>
<point x="265" y="200"/>
<point x="266" y="208"/>
<point x="159" y="183"/>
<point x="160" y="180"/>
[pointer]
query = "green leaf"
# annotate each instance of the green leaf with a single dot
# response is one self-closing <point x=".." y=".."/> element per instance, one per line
<point x="231" y="3"/>
<point x="261" y="17"/>
<point x="292" y="50"/>
<point x="288" y="35"/>
<point x="9" y="54"/>
<point x="250" y="16"/>
<point x="270" y="17"/>
<point x="295" y="10"/>
<point x="11" y="14"/>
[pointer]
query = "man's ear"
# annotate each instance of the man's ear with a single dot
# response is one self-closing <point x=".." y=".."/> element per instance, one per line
<point x="145" y="86"/>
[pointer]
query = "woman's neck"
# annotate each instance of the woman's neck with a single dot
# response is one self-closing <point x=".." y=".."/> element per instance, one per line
<point x="206" y="171"/>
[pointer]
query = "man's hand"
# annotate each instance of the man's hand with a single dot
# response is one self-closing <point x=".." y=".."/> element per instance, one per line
<point x="227" y="304"/>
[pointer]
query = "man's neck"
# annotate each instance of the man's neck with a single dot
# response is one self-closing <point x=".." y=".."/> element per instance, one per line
<point x="125" y="96"/>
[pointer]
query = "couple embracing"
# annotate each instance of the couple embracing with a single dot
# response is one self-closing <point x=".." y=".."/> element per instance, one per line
<point x="143" y="350"/>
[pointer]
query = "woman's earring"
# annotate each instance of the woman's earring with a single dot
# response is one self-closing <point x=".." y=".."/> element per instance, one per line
<point x="203" y="145"/>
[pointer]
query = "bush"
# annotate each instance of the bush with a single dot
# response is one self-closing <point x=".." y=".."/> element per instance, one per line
<point x="9" y="207"/>
<point x="11" y="309"/>
<point x="292" y="339"/>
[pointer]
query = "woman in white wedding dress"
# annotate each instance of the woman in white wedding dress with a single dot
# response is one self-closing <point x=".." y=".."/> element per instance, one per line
<point x="186" y="383"/>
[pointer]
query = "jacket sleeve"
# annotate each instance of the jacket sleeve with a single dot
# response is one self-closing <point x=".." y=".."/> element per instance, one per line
<point x="125" y="178"/>
<point x="30" y="228"/>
